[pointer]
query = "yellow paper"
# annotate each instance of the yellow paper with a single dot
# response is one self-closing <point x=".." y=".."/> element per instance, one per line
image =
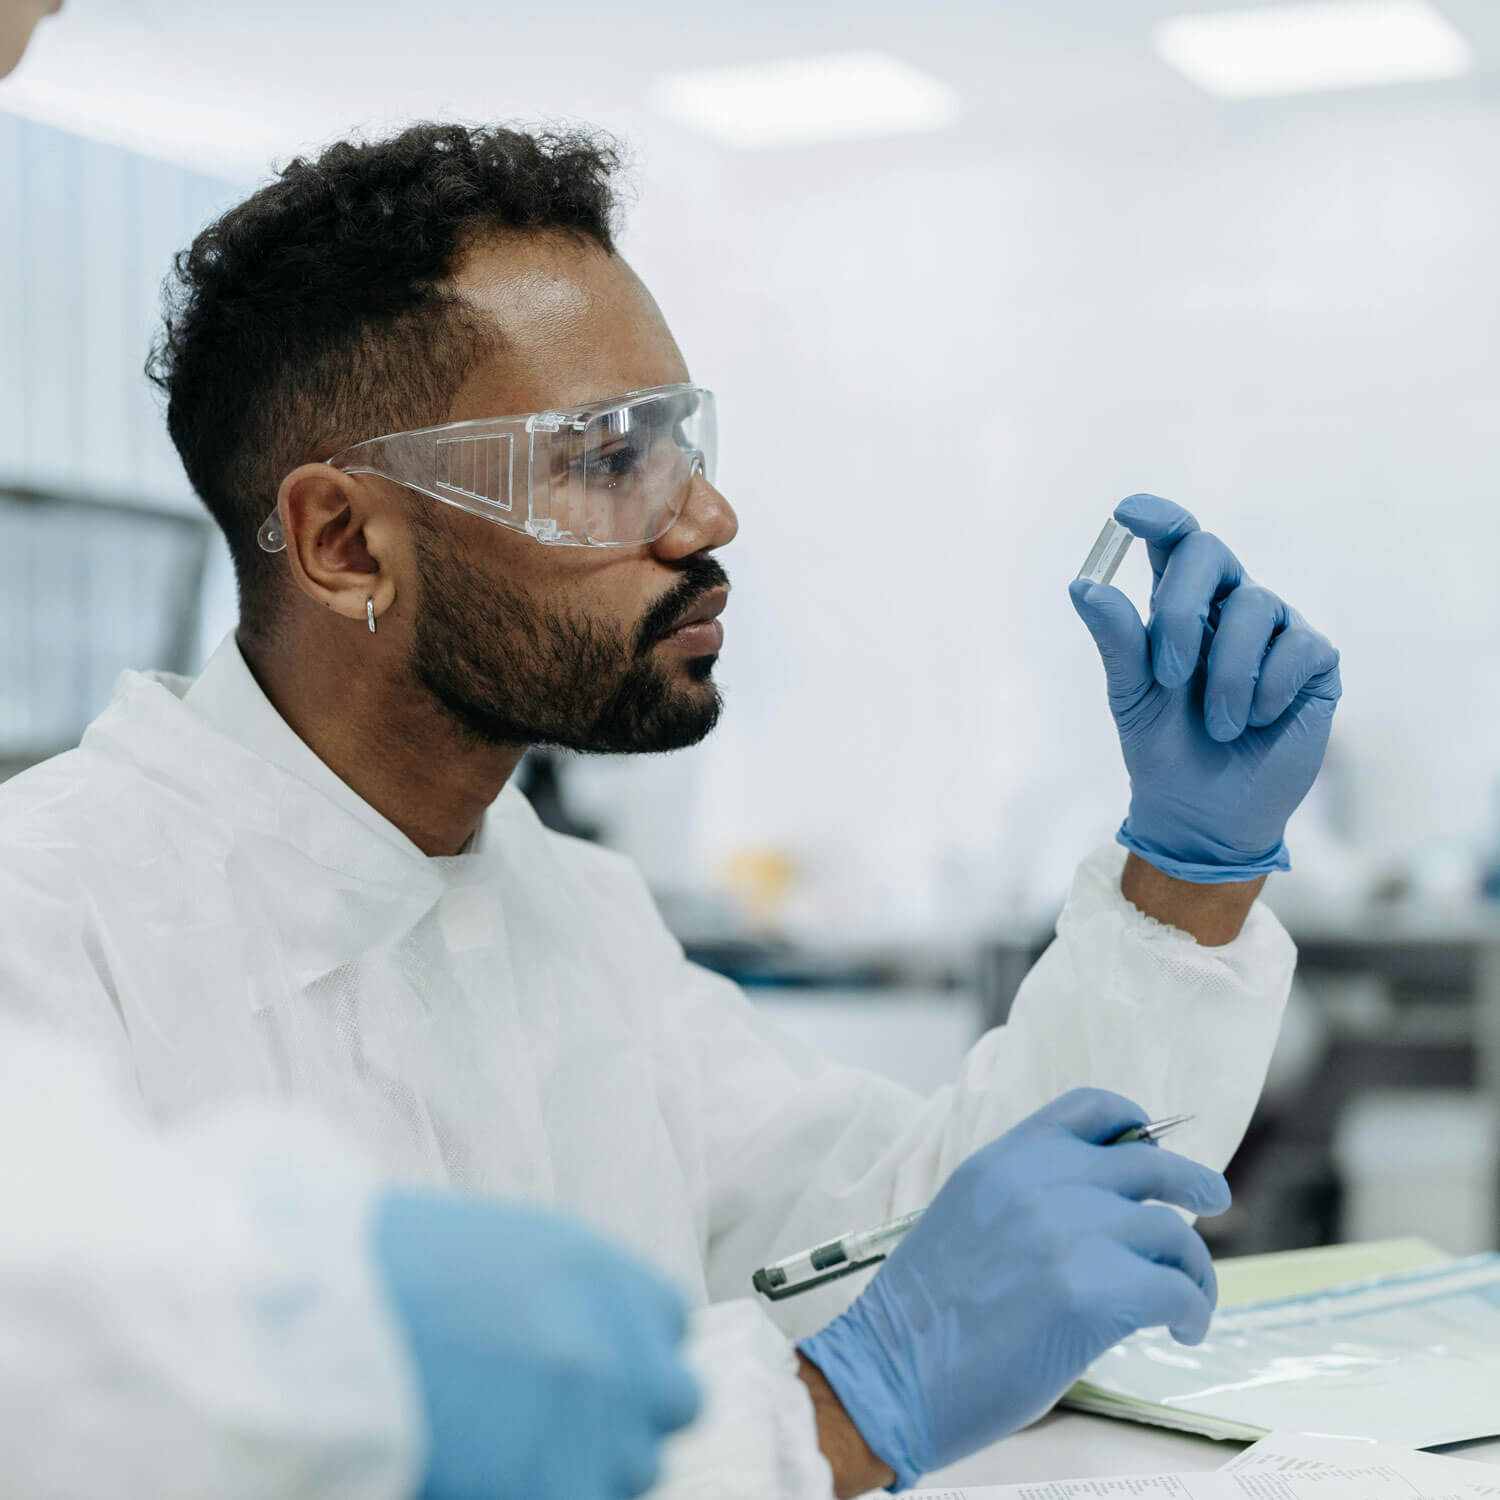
<point x="1298" y="1273"/>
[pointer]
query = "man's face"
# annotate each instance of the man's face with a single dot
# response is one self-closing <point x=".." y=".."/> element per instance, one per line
<point x="522" y="643"/>
<point x="18" y="19"/>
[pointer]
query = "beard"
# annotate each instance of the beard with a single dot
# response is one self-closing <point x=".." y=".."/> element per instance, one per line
<point x="508" y="671"/>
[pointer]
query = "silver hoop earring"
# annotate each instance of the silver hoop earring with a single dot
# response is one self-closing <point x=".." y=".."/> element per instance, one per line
<point x="370" y="614"/>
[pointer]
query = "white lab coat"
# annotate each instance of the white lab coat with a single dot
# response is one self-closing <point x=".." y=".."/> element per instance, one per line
<point x="186" y="1313"/>
<point x="196" y="895"/>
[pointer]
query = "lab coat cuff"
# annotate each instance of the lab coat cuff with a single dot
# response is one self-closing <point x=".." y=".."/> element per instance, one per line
<point x="1262" y="947"/>
<point x="756" y="1438"/>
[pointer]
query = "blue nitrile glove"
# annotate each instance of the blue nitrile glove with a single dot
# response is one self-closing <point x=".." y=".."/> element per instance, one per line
<point x="547" y="1359"/>
<point x="1223" y="703"/>
<point x="1036" y="1257"/>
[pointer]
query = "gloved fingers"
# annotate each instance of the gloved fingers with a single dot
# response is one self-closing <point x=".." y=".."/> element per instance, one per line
<point x="1161" y="524"/>
<point x="647" y="1318"/>
<point x="1162" y="1295"/>
<point x="1249" y="620"/>
<point x="1094" y="1115"/>
<point x="1200" y="572"/>
<point x="637" y="1466"/>
<point x="1300" y="660"/>
<point x="677" y="1399"/>
<point x="656" y="1306"/>
<point x="1120" y="637"/>
<point x="1142" y="1171"/>
<point x="1161" y="1234"/>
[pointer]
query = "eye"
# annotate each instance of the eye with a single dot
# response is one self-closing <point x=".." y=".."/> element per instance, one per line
<point x="610" y="465"/>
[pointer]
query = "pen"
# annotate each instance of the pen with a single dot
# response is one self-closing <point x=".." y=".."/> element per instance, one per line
<point x="852" y="1252"/>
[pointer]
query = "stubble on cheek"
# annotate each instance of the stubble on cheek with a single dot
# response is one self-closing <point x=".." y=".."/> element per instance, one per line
<point x="509" y="665"/>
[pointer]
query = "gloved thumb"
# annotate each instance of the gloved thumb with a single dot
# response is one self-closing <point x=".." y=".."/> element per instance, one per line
<point x="1120" y="637"/>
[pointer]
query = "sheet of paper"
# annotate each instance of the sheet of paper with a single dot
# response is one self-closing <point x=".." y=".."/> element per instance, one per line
<point x="1130" y="1487"/>
<point x="1427" y="1473"/>
<point x="1413" y="1361"/>
<point x="1372" y="1481"/>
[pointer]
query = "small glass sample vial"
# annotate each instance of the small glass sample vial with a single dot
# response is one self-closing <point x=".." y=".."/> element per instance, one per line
<point x="1106" y="555"/>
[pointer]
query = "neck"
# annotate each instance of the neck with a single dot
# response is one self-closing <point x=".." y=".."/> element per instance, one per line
<point x="400" y="753"/>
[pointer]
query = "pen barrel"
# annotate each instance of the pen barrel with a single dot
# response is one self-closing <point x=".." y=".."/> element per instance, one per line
<point x="803" y="1267"/>
<point x="879" y="1242"/>
<point x="775" y="1290"/>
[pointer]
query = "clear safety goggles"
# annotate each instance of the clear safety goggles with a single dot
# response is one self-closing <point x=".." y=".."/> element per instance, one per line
<point x="616" y="473"/>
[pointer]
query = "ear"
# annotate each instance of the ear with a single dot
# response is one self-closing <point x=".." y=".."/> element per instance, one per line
<point x="340" y="538"/>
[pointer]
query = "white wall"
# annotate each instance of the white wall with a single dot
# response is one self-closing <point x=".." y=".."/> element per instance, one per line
<point x="937" y="377"/>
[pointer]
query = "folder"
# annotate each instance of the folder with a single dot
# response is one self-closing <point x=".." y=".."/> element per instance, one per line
<point x="1250" y="1281"/>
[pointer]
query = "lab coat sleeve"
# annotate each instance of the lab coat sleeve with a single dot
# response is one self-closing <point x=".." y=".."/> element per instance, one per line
<point x="799" y="1148"/>
<point x="183" y="1312"/>
<point x="756" y="1437"/>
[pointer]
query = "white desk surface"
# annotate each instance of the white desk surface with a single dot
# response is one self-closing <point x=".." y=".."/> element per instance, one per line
<point x="1072" y="1445"/>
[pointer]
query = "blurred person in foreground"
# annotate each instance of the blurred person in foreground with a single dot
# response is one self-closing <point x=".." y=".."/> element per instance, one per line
<point x="235" y="1306"/>
<point x="18" y="20"/>
<point x="467" y="482"/>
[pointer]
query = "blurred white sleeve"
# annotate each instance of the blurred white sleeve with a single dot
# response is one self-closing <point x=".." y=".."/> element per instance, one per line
<point x="1120" y="1001"/>
<point x="756" y="1438"/>
<point x="187" y="1314"/>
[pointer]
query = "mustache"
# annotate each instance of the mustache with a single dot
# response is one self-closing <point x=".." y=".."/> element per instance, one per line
<point x="700" y="574"/>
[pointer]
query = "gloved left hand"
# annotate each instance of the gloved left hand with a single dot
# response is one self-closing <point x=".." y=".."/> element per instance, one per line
<point x="1223" y="703"/>
<point x="1038" y="1254"/>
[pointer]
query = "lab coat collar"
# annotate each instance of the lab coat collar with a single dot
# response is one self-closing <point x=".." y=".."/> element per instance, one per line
<point x="332" y="875"/>
<point x="227" y="697"/>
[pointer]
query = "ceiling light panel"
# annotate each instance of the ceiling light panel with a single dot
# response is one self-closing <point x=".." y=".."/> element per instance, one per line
<point x="841" y="97"/>
<point x="1294" y="49"/>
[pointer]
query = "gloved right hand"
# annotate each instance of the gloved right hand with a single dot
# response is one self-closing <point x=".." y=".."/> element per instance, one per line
<point x="1223" y="704"/>
<point x="1037" y="1256"/>
<point x="547" y="1359"/>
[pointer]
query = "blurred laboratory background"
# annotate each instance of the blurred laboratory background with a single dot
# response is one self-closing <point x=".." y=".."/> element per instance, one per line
<point x="964" y="274"/>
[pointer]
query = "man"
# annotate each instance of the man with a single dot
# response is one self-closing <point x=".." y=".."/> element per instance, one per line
<point x="237" y="1308"/>
<point x="467" y="483"/>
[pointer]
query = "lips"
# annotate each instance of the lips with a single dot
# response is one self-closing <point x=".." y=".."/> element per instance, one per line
<point x="697" y="631"/>
<point x="709" y="607"/>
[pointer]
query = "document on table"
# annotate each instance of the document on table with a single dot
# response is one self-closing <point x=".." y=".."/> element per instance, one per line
<point x="1427" y="1474"/>
<point x="1412" y="1359"/>
<point x="1255" y="1484"/>
<point x="1282" y="1467"/>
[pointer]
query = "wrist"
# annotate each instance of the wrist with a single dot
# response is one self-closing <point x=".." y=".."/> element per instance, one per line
<point x="1213" y="914"/>
<point x="856" y="1470"/>
<point x="1190" y="855"/>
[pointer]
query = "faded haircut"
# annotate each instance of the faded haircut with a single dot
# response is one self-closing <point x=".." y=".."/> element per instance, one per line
<point x="315" y="315"/>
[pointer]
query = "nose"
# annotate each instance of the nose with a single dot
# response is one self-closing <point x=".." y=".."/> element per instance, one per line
<point x="707" y="521"/>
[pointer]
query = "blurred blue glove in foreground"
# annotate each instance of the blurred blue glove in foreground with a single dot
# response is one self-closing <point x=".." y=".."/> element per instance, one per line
<point x="1036" y="1257"/>
<point x="547" y="1359"/>
<point x="1223" y="703"/>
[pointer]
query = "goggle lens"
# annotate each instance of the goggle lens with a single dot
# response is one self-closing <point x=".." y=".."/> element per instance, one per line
<point x="631" y="473"/>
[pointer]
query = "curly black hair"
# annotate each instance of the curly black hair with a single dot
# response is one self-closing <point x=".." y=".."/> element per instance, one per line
<point x="314" y="314"/>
